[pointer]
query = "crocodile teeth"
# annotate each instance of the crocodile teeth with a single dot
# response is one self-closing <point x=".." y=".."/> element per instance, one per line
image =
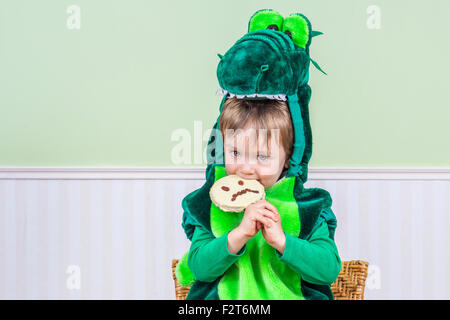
<point x="281" y="97"/>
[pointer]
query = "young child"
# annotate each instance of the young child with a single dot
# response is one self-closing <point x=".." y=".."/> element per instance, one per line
<point x="250" y="157"/>
<point x="281" y="247"/>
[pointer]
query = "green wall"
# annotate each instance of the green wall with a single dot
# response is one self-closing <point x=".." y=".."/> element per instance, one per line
<point x="113" y="92"/>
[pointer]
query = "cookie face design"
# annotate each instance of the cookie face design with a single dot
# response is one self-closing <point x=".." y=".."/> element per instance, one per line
<point x="233" y="194"/>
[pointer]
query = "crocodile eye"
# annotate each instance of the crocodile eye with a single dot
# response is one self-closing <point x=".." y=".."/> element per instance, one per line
<point x="265" y="19"/>
<point x="298" y="28"/>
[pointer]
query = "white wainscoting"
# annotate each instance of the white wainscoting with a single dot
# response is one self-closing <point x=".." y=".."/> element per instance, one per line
<point x="110" y="233"/>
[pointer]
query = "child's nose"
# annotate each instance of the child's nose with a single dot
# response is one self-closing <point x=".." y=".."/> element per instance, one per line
<point x="247" y="169"/>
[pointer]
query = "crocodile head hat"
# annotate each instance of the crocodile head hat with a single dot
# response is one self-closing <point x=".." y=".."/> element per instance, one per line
<point x="271" y="61"/>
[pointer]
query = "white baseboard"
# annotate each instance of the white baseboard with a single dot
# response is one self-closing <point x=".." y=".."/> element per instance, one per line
<point x="198" y="173"/>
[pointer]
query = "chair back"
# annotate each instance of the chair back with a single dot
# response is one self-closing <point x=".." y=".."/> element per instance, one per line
<point x="351" y="281"/>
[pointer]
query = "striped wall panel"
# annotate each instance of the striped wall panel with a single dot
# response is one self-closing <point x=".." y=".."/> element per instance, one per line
<point x="114" y="239"/>
<point x="401" y="228"/>
<point x="121" y="234"/>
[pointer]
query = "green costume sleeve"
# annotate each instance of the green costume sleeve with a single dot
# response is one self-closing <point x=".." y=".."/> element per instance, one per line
<point x="209" y="257"/>
<point x="316" y="260"/>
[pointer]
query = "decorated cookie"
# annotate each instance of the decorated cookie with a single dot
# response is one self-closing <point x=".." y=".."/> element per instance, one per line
<point x="233" y="194"/>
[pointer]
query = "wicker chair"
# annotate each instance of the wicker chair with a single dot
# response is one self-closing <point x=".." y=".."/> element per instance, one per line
<point x="349" y="285"/>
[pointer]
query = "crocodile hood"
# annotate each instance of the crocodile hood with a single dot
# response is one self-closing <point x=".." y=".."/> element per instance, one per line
<point x="271" y="61"/>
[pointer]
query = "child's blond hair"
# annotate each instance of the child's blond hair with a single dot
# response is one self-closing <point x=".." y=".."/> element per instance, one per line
<point x="259" y="114"/>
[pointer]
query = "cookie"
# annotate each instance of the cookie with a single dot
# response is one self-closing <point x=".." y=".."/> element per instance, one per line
<point x="233" y="194"/>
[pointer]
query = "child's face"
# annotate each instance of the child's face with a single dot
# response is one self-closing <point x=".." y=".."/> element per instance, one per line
<point x="251" y="157"/>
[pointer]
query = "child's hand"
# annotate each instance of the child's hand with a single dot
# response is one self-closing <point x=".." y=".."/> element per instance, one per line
<point x="273" y="233"/>
<point x="256" y="215"/>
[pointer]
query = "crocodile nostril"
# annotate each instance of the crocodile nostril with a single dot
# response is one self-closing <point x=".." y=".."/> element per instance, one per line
<point x="273" y="27"/>
<point x="264" y="67"/>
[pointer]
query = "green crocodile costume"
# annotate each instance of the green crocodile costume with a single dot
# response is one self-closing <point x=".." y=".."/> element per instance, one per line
<point x="271" y="61"/>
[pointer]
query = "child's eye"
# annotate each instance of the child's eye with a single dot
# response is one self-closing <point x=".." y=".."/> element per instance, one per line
<point x="263" y="157"/>
<point x="235" y="153"/>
